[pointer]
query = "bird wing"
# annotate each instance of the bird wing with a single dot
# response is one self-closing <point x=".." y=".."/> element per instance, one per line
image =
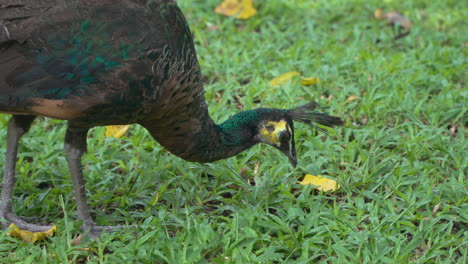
<point x="72" y="54"/>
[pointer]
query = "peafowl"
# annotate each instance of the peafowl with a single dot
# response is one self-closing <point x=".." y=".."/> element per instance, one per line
<point x="114" y="62"/>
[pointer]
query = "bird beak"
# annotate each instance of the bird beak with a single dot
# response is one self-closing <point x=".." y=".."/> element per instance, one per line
<point x="288" y="148"/>
<point x="293" y="160"/>
<point x="291" y="154"/>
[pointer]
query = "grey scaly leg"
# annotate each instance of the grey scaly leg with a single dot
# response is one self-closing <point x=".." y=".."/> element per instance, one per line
<point x="75" y="147"/>
<point x="17" y="127"/>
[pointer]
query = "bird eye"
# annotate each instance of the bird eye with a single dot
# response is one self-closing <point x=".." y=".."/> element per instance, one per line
<point x="270" y="128"/>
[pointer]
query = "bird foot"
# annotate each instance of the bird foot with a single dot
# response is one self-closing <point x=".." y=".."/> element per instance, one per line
<point x="22" y="223"/>
<point x="18" y="227"/>
<point x="22" y="226"/>
<point x="94" y="231"/>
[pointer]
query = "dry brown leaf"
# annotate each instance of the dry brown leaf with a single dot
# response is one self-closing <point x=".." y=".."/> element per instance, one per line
<point x="241" y="9"/>
<point x="256" y="167"/>
<point x="237" y="102"/>
<point x="77" y="240"/>
<point x="436" y="208"/>
<point x="393" y="18"/>
<point x="454" y="129"/>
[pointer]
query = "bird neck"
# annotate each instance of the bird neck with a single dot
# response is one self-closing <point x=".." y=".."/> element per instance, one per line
<point x="201" y="140"/>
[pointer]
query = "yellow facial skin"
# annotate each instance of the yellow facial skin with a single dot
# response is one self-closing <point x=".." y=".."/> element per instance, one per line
<point x="271" y="130"/>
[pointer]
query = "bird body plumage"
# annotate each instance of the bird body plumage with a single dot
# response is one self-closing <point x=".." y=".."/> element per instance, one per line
<point x="109" y="62"/>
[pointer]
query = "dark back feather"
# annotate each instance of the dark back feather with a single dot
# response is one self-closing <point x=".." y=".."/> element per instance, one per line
<point x="93" y="57"/>
<point x="105" y="62"/>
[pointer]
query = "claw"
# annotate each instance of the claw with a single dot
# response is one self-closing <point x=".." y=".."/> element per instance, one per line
<point x="94" y="231"/>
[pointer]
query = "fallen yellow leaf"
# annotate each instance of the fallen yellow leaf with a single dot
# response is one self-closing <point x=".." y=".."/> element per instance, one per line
<point x="242" y="9"/>
<point x="283" y="78"/>
<point x="30" y="237"/>
<point x="351" y="98"/>
<point x="116" y="131"/>
<point x="322" y="183"/>
<point x="309" y="80"/>
<point x="379" y="13"/>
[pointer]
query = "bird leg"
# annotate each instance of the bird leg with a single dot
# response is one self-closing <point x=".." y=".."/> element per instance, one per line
<point x="17" y="127"/>
<point x="75" y="147"/>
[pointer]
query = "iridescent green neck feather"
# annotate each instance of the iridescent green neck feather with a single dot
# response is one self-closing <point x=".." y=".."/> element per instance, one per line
<point x="242" y="127"/>
<point x="207" y="141"/>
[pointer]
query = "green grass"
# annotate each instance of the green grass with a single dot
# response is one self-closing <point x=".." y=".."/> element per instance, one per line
<point x="399" y="156"/>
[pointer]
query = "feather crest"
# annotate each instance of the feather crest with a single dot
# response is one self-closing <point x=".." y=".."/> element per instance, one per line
<point x="307" y="114"/>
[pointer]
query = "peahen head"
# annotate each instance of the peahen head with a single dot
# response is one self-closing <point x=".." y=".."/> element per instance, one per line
<point x="274" y="127"/>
